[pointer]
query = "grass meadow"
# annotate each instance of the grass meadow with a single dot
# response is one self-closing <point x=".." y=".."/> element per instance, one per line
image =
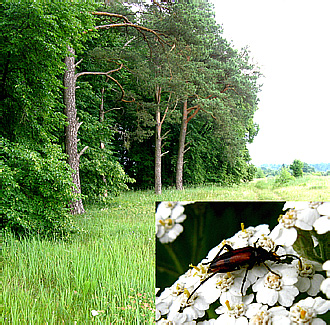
<point x="106" y="274"/>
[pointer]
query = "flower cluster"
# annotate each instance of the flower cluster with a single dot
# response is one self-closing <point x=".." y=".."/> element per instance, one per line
<point x="169" y="216"/>
<point x="265" y="291"/>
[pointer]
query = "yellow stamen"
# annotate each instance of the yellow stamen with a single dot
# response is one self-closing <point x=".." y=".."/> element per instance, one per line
<point x="242" y="227"/>
<point x="302" y="313"/>
<point x="227" y="304"/>
<point x="195" y="267"/>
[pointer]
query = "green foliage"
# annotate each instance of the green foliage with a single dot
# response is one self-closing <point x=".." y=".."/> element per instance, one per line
<point x="284" y="177"/>
<point x="308" y="169"/>
<point x="37" y="36"/>
<point x="297" y="168"/>
<point x="37" y="187"/>
<point x="199" y="66"/>
<point x="260" y="173"/>
<point x="36" y="178"/>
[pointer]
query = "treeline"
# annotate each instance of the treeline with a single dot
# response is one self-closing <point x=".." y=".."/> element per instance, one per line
<point x="267" y="170"/>
<point x="96" y="98"/>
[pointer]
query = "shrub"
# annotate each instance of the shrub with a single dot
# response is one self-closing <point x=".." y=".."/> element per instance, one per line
<point x="297" y="168"/>
<point x="284" y="177"/>
<point x="36" y="190"/>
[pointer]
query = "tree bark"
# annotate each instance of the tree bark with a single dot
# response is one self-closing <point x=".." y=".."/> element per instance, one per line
<point x="181" y="150"/>
<point x="102" y="145"/>
<point x="158" y="145"/>
<point x="71" y="130"/>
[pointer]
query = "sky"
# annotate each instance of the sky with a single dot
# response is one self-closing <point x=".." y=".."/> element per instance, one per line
<point x="289" y="41"/>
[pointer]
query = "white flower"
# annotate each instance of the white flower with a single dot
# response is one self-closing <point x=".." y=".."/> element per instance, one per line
<point x="208" y="322"/>
<point x="181" y="311"/>
<point x="165" y="300"/>
<point x="95" y="312"/>
<point x="169" y="215"/>
<point x="305" y="311"/>
<point x="326" y="267"/>
<point x="260" y="314"/>
<point x="308" y="280"/>
<point x="223" y="285"/>
<point x="306" y="213"/>
<point x="301" y="215"/>
<point x="322" y="225"/>
<point x="285" y="233"/>
<point x="248" y="236"/>
<point x="325" y="285"/>
<point x="279" y="288"/>
<point x="234" y="311"/>
<point x="158" y="314"/>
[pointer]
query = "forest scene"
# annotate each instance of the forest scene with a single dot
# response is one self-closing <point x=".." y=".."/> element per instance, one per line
<point x="107" y="107"/>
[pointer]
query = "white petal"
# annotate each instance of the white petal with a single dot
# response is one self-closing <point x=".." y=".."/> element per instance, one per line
<point x="302" y="224"/>
<point x="267" y="296"/>
<point x="315" y="285"/>
<point x="175" y="231"/>
<point x="160" y="231"/>
<point x="181" y="218"/>
<point x="241" y="321"/>
<point x="303" y="284"/>
<point x="254" y="308"/>
<point x="308" y="216"/>
<point x="177" y="211"/>
<point x="324" y="209"/>
<point x="322" y="225"/>
<point x="325" y="287"/>
<point x="318" y="321"/>
<point x="321" y="305"/>
<point x="287" y="295"/>
<point x="163" y="210"/>
<point x="326" y="265"/>
<point x="295" y="205"/>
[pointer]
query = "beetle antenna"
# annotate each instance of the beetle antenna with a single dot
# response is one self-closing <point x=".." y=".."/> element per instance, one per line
<point x="200" y="285"/>
<point x="297" y="257"/>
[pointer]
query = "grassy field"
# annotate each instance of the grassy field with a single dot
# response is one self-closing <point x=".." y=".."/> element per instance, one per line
<point x="109" y="268"/>
<point x="306" y="188"/>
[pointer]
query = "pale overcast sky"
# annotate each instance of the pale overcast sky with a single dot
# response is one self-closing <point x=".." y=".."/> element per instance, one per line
<point x="289" y="39"/>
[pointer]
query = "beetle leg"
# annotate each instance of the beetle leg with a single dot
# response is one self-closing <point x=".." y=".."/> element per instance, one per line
<point x="200" y="285"/>
<point x="244" y="279"/>
<point x="277" y="247"/>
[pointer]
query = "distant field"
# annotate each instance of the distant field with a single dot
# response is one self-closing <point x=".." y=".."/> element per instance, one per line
<point x="304" y="188"/>
<point x="110" y="267"/>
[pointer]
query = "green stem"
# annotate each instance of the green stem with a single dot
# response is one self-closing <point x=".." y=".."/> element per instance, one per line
<point x="174" y="258"/>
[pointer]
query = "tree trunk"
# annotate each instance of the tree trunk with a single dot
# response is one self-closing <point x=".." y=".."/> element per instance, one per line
<point x="158" y="146"/>
<point x="71" y="130"/>
<point x="102" y="145"/>
<point x="182" y="139"/>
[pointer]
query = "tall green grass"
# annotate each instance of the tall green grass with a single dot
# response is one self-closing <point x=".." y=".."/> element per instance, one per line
<point x="109" y="267"/>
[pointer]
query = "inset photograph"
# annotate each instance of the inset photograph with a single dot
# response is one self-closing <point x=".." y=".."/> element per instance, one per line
<point x="242" y="262"/>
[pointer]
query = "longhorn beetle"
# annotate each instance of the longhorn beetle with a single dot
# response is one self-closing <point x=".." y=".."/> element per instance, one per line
<point x="235" y="259"/>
